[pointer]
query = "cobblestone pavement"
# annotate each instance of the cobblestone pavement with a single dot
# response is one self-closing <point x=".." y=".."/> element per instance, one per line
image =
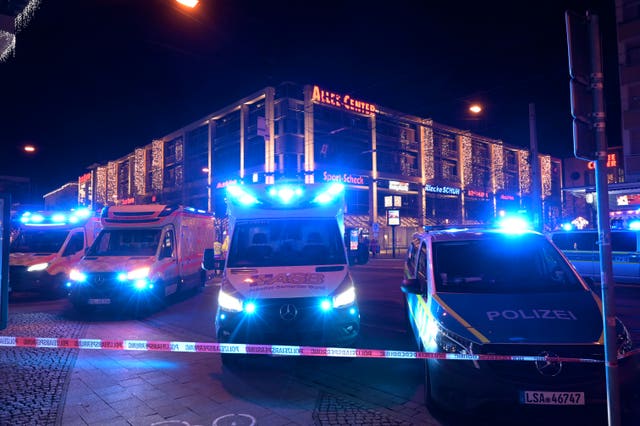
<point x="34" y="380"/>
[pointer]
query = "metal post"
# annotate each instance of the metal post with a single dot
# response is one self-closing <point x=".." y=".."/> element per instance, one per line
<point x="393" y="241"/>
<point x="536" y="181"/>
<point x="604" y="229"/>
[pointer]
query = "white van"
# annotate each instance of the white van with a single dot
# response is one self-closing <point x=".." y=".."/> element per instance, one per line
<point x="582" y="249"/>
<point x="142" y="254"/>
<point x="287" y="278"/>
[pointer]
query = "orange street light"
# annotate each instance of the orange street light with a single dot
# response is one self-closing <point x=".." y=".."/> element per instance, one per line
<point x="475" y="108"/>
<point x="29" y="148"/>
<point x="188" y="3"/>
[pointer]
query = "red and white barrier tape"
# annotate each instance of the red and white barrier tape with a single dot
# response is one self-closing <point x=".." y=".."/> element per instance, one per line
<point x="283" y="350"/>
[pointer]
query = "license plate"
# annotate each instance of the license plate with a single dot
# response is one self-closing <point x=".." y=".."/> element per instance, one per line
<point x="552" y="398"/>
<point x="99" y="301"/>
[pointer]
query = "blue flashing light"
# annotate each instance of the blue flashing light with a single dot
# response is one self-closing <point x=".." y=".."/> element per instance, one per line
<point x="514" y="224"/>
<point x="329" y="194"/>
<point x="58" y="218"/>
<point x="36" y="218"/>
<point x="567" y="226"/>
<point x="285" y="194"/>
<point x="634" y="225"/>
<point x="77" y="276"/>
<point x="249" y="308"/>
<point x="352" y="311"/>
<point x="222" y="316"/>
<point x="122" y="276"/>
<point x="325" y="305"/>
<point x="241" y="195"/>
<point x="141" y="284"/>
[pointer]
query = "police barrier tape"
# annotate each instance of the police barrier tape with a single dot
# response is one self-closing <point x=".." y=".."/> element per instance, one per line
<point x="282" y="350"/>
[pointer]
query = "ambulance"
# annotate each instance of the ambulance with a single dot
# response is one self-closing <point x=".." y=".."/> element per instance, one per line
<point x="286" y="278"/>
<point x="143" y="254"/>
<point x="47" y="245"/>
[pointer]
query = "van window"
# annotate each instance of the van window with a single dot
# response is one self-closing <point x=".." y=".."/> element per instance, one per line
<point x="286" y="243"/>
<point x="75" y="244"/>
<point x="126" y="242"/>
<point x="623" y="241"/>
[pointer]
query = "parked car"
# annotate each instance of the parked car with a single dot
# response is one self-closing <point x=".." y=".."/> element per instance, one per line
<point x="490" y="292"/>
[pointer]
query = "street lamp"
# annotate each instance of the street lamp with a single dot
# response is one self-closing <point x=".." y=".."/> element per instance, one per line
<point x="29" y="148"/>
<point x="188" y="3"/>
<point x="475" y="108"/>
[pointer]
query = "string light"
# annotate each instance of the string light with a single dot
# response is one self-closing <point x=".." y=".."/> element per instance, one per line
<point x="497" y="167"/>
<point x="157" y="164"/>
<point x="429" y="169"/>
<point x="545" y="165"/>
<point x="524" y="170"/>
<point x="101" y="185"/>
<point x="112" y="181"/>
<point x="139" y="171"/>
<point x="466" y="147"/>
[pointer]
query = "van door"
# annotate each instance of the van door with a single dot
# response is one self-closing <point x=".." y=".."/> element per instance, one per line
<point x="624" y="254"/>
<point x="168" y="258"/>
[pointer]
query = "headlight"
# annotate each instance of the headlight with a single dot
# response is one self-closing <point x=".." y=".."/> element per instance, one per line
<point x="229" y="302"/>
<point x="37" y="267"/>
<point x="623" y="338"/>
<point x="76" y="275"/>
<point x="347" y="297"/>
<point x="138" y="274"/>
<point x="452" y="343"/>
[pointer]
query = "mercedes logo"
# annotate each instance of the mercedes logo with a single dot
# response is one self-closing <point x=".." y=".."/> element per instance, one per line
<point x="288" y="312"/>
<point x="549" y="367"/>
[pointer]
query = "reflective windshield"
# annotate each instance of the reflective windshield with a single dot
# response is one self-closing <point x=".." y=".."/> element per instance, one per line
<point x="286" y="243"/>
<point x="126" y="242"/>
<point x="502" y="264"/>
<point x="39" y="241"/>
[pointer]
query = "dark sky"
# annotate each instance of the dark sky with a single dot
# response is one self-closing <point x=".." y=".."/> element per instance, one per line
<point x="92" y="80"/>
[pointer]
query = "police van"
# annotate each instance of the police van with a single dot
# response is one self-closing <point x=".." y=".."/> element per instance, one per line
<point x="46" y="247"/>
<point x="582" y="249"/>
<point x="286" y="278"/>
<point x="481" y="291"/>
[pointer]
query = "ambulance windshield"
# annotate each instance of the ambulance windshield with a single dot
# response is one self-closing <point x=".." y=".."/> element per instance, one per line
<point x="39" y="241"/>
<point x="286" y="242"/>
<point x="126" y="242"/>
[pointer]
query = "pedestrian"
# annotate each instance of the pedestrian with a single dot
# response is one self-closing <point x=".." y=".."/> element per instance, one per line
<point x="375" y="248"/>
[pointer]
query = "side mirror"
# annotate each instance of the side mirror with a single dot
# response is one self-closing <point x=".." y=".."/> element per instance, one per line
<point x="410" y="286"/>
<point x="208" y="259"/>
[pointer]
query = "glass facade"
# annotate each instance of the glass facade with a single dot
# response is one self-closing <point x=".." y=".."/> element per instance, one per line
<point x="435" y="173"/>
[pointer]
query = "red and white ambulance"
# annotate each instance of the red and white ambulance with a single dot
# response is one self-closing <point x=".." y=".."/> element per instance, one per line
<point x="287" y="278"/>
<point x="47" y="245"/>
<point x="143" y="254"/>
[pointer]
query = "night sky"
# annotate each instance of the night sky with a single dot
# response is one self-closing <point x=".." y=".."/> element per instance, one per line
<point x="92" y="80"/>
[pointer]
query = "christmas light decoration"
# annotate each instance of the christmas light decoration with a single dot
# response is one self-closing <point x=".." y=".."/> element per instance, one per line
<point x="524" y="170"/>
<point x="157" y="164"/>
<point x="139" y="171"/>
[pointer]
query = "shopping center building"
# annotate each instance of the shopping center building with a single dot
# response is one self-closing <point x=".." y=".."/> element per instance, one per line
<point x="432" y="173"/>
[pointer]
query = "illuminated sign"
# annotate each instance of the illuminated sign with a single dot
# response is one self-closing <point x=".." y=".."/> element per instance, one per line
<point x="507" y="197"/>
<point x="628" y="200"/>
<point x="342" y="101"/>
<point x="612" y="161"/>
<point x="393" y="217"/>
<point x="436" y="189"/>
<point x="226" y="183"/>
<point x="477" y="194"/>
<point x="398" y="186"/>
<point x="344" y="178"/>
<point x="84" y="178"/>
